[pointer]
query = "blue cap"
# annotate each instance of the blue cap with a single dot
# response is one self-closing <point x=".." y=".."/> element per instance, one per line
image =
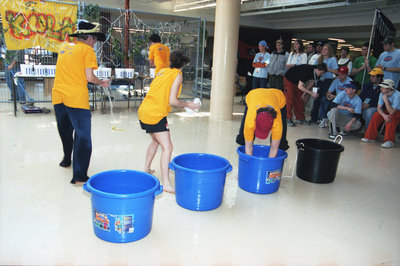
<point x="351" y="85"/>
<point x="263" y="43"/>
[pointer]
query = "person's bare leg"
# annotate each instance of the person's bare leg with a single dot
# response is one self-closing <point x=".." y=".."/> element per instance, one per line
<point x="164" y="140"/>
<point x="150" y="153"/>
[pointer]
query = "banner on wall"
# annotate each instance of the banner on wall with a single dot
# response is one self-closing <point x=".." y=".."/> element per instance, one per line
<point x="30" y="23"/>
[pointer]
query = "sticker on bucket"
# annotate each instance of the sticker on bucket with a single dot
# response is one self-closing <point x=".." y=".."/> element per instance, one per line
<point x="273" y="176"/>
<point x="124" y="224"/>
<point x="101" y="221"/>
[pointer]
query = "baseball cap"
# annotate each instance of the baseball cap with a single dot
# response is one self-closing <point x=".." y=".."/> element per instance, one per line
<point x="353" y="85"/>
<point x="343" y="70"/>
<point x="264" y="121"/>
<point x="376" y="71"/>
<point x="387" y="83"/>
<point x="388" y="40"/>
<point x="263" y="43"/>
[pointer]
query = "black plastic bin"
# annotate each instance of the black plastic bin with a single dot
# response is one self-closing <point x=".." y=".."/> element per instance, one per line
<point x="317" y="160"/>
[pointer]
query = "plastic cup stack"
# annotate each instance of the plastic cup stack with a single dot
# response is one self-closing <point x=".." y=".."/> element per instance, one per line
<point x="196" y="101"/>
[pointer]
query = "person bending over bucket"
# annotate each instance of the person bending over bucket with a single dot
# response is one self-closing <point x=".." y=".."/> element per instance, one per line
<point x="264" y="115"/>
<point x="163" y="93"/>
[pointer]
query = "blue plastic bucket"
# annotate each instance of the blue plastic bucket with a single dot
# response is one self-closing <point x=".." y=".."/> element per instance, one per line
<point x="122" y="204"/>
<point x="258" y="173"/>
<point x="199" y="180"/>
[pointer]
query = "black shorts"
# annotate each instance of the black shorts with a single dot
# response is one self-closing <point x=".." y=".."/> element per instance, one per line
<point x="159" y="127"/>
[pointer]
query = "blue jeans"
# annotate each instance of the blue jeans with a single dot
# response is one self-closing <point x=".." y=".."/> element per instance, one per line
<point x="68" y="120"/>
<point x="324" y="108"/>
<point x="260" y="83"/>
<point x="19" y="89"/>
<point x="367" y="115"/>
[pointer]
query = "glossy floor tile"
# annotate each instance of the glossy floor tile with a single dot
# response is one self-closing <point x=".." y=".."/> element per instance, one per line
<point x="44" y="220"/>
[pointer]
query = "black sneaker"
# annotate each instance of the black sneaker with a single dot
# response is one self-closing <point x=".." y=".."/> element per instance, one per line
<point x="332" y="136"/>
<point x="290" y="123"/>
<point x="65" y="163"/>
<point x="79" y="181"/>
<point x="303" y="122"/>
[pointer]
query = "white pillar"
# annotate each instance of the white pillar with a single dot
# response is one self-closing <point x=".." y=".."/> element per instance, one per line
<point x="226" y="35"/>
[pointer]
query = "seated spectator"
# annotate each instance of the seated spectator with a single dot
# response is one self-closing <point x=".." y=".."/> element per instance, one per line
<point x="388" y="113"/>
<point x="327" y="56"/>
<point x="345" y="112"/>
<point x="344" y="60"/>
<point x="337" y="86"/>
<point x="295" y="89"/>
<point x="370" y="95"/>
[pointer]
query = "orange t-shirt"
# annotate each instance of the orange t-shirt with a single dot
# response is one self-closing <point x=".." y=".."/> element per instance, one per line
<point x="259" y="98"/>
<point x="155" y="105"/>
<point x="160" y="54"/>
<point x="70" y="83"/>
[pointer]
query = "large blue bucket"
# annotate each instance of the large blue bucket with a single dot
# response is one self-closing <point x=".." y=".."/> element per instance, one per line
<point x="122" y="204"/>
<point x="199" y="180"/>
<point x="258" y="173"/>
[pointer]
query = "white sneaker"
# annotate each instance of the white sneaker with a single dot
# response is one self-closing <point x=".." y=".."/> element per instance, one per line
<point x="323" y="123"/>
<point x="387" y="144"/>
<point x="367" y="140"/>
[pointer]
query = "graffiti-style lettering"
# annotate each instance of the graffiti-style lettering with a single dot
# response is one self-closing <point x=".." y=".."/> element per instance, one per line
<point x="23" y="27"/>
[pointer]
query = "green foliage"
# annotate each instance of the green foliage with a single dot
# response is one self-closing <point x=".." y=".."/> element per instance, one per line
<point x="92" y="13"/>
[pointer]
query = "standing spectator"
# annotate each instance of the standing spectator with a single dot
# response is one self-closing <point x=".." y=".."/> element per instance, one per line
<point x="389" y="61"/>
<point x="388" y="113"/>
<point x="70" y="97"/>
<point x="295" y="89"/>
<point x="345" y="112"/>
<point x="310" y="51"/>
<point x="277" y="66"/>
<point x="370" y="95"/>
<point x="13" y="60"/>
<point x="344" y="60"/>
<point x="158" y="53"/>
<point x="314" y="59"/>
<point x="297" y="57"/>
<point x="164" y="92"/>
<point x="363" y="65"/>
<point x="336" y="87"/>
<point x="260" y="64"/>
<point x="327" y="57"/>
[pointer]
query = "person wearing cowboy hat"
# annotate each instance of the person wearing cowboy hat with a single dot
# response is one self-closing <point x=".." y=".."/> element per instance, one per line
<point x="388" y="113"/>
<point x="70" y="97"/>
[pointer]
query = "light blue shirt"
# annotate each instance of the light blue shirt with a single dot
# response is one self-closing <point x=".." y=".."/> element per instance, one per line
<point x="390" y="59"/>
<point x="261" y="72"/>
<point x="344" y="100"/>
<point x="393" y="99"/>
<point x="331" y="63"/>
<point x="338" y="86"/>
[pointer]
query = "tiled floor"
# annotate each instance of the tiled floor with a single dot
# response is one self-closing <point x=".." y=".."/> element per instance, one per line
<point x="44" y="220"/>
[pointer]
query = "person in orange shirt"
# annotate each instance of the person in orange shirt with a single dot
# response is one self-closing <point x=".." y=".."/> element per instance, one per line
<point x="70" y="97"/>
<point x="264" y="116"/>
<point x="163" y="93"/>
<point x="158" y="54"/>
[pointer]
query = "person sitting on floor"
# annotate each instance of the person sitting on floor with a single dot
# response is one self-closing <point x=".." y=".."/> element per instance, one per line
<point x="370" y="95"/>
<point x="345" y="112"/>
<point x="388" y="113"/>
<point x="337" y="86"/>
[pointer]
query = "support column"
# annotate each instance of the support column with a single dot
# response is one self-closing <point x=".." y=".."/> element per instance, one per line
<point x="226" y="35"/>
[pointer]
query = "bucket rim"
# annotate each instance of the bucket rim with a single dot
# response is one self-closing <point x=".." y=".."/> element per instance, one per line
<point x="284" y="156"/>
<point x="227" y="166"/>
<point x="339" y="149"/>
<point x="98" y="192"/>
